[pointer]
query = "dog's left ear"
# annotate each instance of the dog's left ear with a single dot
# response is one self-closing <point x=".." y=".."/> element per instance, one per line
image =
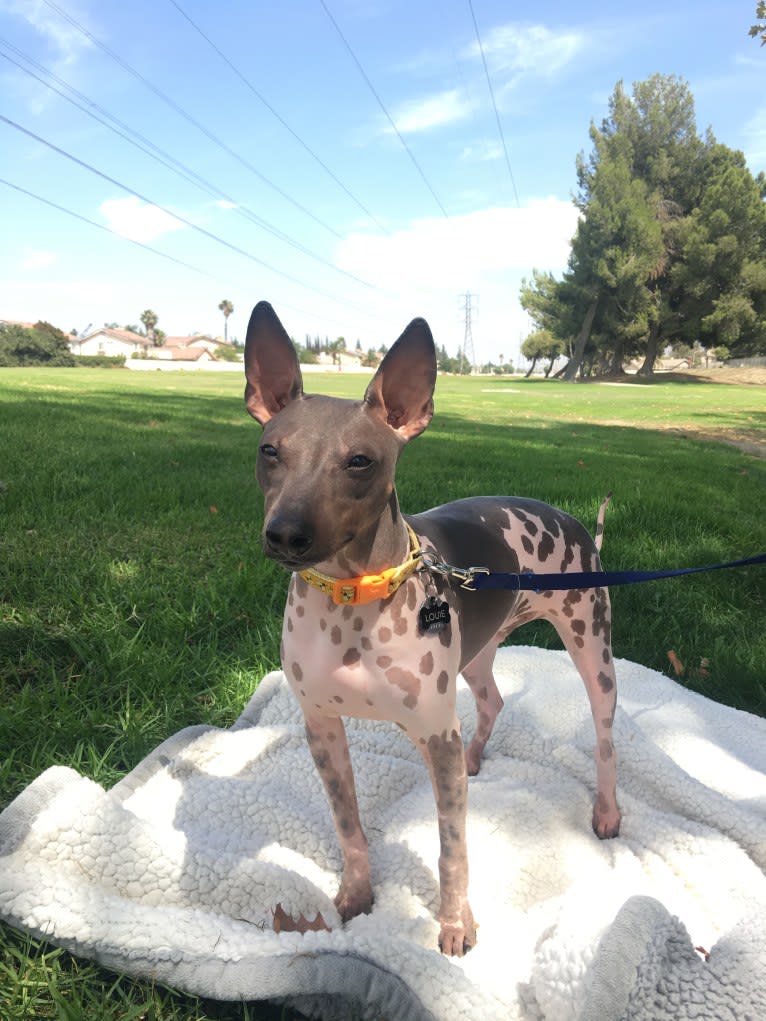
<point x="401" y="391"/>
<point x="272" y="369"/>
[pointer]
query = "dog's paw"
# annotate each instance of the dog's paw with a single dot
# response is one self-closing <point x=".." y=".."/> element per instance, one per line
<point x="354" y="899"/>
<point x="606" y="819"/>
<point x="457" y="938"/>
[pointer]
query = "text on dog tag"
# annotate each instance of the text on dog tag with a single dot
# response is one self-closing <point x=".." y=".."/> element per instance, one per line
<point x="434" y="616"/>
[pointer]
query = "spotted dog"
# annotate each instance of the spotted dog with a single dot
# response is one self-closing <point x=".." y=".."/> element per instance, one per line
<point x="371" y="630"/>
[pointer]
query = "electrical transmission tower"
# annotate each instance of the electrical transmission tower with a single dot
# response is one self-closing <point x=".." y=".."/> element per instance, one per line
<point x="469" y="310"/>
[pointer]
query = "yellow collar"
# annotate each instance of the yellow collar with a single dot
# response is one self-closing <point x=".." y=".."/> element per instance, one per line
<point x="368" y="587"/>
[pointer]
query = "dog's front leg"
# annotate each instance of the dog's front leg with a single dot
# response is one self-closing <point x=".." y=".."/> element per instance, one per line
<point x="329" y="747"/>
<point x="445" y="758"/>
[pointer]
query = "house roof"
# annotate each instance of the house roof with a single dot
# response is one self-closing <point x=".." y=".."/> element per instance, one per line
<point x="182" y="354"/>
<point x="17" y="322"/>
<point x="128" y="336"/>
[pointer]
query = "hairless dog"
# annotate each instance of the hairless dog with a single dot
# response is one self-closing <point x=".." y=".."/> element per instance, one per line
<point x="371" y="629"/>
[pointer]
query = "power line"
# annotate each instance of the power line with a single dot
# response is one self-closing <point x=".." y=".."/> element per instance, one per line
<point x="139" y="141"/>
<point x="101" y="226"/>
<point x="188" y="117"/>
<point x="246" y="81"/>
<point x="188" y="223"/>
<point x="122" y="237"/>
<point x="494" y="104"/>
<point x="380" y="103"/>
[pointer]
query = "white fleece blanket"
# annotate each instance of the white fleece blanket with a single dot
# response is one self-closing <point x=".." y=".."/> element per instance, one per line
<point x="175" y="874"/>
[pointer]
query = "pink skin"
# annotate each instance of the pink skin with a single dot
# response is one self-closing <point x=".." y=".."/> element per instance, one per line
<point x="327" y="467"/>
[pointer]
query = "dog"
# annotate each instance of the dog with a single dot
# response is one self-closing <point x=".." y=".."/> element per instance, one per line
<point x="375" y="627"/>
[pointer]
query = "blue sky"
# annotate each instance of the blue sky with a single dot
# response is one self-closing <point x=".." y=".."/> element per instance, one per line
<point x="279" y="174"/>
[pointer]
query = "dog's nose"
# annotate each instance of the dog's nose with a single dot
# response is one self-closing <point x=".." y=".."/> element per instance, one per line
<point x="288" y="539"/>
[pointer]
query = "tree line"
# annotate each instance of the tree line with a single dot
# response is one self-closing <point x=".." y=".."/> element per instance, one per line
<point x="670" y="248"/>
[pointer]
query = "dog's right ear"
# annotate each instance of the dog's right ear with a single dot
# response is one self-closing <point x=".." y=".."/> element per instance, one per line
<point x="272" y="369"/>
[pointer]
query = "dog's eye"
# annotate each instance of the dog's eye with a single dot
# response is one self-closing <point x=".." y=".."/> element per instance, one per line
<point x="268" y="450"/>
<point x="359" y="461"/>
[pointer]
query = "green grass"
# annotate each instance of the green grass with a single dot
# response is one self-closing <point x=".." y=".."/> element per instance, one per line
<point x="134" y="599"/>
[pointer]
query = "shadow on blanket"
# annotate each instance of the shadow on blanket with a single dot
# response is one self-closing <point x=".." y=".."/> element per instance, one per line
<point x="177" y="872"/>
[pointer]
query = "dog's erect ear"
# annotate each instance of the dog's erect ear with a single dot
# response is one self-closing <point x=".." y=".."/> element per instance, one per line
<point x="272" y="369"/>
<point x="402" y="389"/>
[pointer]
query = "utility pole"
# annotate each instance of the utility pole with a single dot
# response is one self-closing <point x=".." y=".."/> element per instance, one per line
<point x="468" y="312"/>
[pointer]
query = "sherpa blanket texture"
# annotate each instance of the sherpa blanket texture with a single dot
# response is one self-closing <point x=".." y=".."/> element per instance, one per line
<point x="174" y="874"/>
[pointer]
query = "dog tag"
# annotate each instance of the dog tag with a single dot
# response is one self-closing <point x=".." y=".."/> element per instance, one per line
<point x="434" y="616"/>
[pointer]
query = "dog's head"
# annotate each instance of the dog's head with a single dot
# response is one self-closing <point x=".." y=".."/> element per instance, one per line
<point x="326" y="465"/>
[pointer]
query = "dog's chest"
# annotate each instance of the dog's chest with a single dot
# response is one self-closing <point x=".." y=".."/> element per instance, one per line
<point x="372" y="661"/>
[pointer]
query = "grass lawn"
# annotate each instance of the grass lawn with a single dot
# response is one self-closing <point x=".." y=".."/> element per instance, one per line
<point x="134" y="599"/>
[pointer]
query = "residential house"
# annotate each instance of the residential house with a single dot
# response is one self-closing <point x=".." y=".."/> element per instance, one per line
<point x="174" y="353"/>
<point x="109" y="340"/>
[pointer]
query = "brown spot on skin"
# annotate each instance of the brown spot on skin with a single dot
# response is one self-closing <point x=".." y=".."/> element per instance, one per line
<point x="579" y="642"/>
<point x="546" y="546"/>
<point x="303" y="693"/>
<point x="336" y="635"/>
<point x="351" y="657"/>
<point x="442" y="682"/>
<point x="366" y="644"/>
<point x="301" y="587"/>
<point x="606" y="656"/>
<point x="531" y="527"/>
<point x="483" y="694"/>
<point x="297" y="672"/>
<point x="290" y="598"/>
<point x="412" y="598"/>
<point x="606" y="751"/>
<point x="322" y="624"/>
<point x="401" y="627"/>
<point x="608" y="722"/>
<point x="384" y="634"/>
<point x="369" y="702"/>
<point x="300" y="610"/>
<point x="290" y="624"/>
<point x="605" y="682"/>
<point x="384" y="662"/>
<point x="348" y="612"/>
<point x="408" y="682"/>
<point x="427" y="663"/>
<point x="338" y="699"/>
<point x="526" y="542"/>
<point x="578" y="626"/>
<point x="358" y="624"/>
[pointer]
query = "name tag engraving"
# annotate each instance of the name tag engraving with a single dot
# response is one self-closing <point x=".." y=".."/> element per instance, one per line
<point x="434" y="616"/>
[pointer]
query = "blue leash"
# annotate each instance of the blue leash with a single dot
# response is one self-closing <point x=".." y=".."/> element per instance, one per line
<point x="478" y="578"/>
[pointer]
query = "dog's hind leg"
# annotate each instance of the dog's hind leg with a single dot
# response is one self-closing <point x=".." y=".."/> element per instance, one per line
<point x="489" y="702"/>
<point x="585" y="630"/>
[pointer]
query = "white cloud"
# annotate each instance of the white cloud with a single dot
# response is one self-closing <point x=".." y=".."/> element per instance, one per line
<point x="426" y="267"/>
<point x="37" y="259"/>
<point x="482" y="152"/>
<point x="67" y="40"/>
<point x="446" y="253"/>
<point x="515" y="49"/>
<point x="431" y="111"/>
<point x="137" y="220"/>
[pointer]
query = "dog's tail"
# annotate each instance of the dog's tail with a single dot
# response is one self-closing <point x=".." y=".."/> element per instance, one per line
<point x="600" y="521"/>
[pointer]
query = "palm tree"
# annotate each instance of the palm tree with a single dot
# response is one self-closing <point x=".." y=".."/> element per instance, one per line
<point x="150" y="320"/>
<point x="227" y="308"/>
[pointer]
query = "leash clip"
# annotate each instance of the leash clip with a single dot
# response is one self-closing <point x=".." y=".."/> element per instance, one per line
<point x="465" y="575"/>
